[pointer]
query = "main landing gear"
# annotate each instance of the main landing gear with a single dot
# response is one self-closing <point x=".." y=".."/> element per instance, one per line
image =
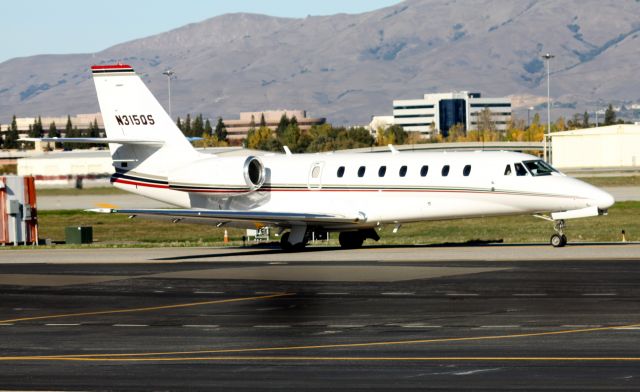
<point x="558" y="240"/>
<point x="355" y="239"/>
<point x="288" y="246"/>
<point x="296" y="239"/>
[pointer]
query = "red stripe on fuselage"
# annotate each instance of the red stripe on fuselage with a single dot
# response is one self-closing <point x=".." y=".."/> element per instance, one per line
<point x="129" y="182"/>
<point x="112" y="66"/>
<point x="326" y="190"/>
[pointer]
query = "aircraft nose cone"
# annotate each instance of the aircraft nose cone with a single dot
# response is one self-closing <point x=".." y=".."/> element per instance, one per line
<point x="603" y="199"/>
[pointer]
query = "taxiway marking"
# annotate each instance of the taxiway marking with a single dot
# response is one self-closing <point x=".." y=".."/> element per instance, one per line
<point x="326" y="359"/>
<point x="133" y="356"/>
<point x="146" y="309"/>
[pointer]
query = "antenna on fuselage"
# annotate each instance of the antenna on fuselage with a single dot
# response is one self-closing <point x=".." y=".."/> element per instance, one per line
<point x="286" y="150"/>
<point x="393" y="149"/>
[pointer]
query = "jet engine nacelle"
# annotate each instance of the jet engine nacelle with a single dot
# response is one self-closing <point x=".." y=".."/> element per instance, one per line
<point x="220" y="176"/>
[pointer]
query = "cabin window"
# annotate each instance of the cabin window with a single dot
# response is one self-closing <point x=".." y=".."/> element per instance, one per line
<point x="445" y="170"/>
<point x="403" y="171"/>
<point x="507" y="170"/>
<point x="466" y="171"/>
<point x="340" y="171"/>
<point x="424" y="170"/>
<point x="382" y="171"/>
<point x="520" y="170"/>
<point x="361" y="171"/>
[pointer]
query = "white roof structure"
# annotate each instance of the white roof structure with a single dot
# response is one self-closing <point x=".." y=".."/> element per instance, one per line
<point x="601" y="147"/>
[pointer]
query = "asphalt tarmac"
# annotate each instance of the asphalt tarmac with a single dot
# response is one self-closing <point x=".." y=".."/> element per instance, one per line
<point x="319" y="320"/>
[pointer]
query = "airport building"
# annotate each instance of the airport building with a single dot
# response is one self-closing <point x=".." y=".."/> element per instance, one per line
<point x="238" y="129"/>
<point x="80" y="168"/>
<point x="437" y="113"/>
<point x="614" y="146"/>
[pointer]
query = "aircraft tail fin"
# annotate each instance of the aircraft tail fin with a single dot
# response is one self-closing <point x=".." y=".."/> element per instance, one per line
<point x="131" y="112"/>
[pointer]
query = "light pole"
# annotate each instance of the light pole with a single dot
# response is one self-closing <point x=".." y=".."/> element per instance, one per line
<point x="529" y="109"/>
<point x="598" y="112"/>
<point x="169" y="74"/>
<point x="548" y="57"/>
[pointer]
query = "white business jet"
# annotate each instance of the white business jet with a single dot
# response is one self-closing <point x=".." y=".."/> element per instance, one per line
<point x="350" y="193"/>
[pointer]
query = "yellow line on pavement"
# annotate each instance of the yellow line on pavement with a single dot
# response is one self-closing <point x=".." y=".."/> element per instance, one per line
<point x="329" y="359"/>
<point x="115" y="356"/>
<point x="145" y="309"/>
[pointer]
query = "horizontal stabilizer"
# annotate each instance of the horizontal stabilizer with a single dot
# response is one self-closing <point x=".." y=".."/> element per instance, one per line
<point x="280" y="218"/>
<point x="93" y="140"/>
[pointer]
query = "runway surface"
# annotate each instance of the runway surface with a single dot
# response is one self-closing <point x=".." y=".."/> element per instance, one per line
<point x="450" y="318"/>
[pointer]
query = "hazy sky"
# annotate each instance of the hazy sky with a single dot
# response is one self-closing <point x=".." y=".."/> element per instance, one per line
<point x="32" y="27"/>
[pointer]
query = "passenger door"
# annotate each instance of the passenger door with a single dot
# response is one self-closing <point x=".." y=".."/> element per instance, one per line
<point x="315" y="175"/>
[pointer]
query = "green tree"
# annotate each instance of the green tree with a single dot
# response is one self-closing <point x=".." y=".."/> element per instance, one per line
<point x="68" y="128"/>
<point x="394" y="134"/>
<point x="221" y="130"/>
<point x="94" y="129"/>
<point x="485" y="123"/>
<point x="252" y="123"/>
<point x="361" y="136"/>
<point x="36" y="130"/>
<point x="11" y="138"/>
<point x="575" y="122"/>
<point x="585" y="120"/>
<point x="187" y="126"/>
<point x="282" y="125"/>
<point x="197" y="128"/>
<point x="209" y="140"/>
<point x="263" y="123"/>
<point x="290" y="137"/>
<point x="180" y="125"/>
<point x="456" y="133"/>
<point x="263" y="139"/>
<point x="53" y="130"/>
<point x="207" y="128"/>
<point x="609" y="116"/>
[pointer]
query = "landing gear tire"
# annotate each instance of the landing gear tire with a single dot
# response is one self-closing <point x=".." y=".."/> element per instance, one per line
<point x="351" y="239"/>
<point x="287" y="246"/>
<point x="558" y="240"/>
<point x="284" y="242"/>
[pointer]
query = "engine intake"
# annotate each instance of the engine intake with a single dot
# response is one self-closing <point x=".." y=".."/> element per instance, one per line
<point x="220" y="176"/>
<point x="254" y="172"/>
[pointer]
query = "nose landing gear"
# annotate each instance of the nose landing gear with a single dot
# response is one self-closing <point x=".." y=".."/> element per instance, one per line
<point x="559" y="239"/>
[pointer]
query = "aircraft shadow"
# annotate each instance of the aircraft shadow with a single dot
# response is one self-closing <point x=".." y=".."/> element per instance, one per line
<point x="274" y="249"/>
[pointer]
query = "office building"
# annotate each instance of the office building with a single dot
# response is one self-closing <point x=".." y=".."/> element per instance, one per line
<point x="437" y="113"/>
<point x="238" y="129"/>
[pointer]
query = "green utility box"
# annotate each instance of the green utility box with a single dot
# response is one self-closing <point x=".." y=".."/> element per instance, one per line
<point x="78" y="235"/>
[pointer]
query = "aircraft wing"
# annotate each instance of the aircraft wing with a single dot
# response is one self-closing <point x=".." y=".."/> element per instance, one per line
<point x="221" y="216"/>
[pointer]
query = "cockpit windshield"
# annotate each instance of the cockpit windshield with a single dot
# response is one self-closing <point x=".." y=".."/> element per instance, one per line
<point x="539" y="168"/>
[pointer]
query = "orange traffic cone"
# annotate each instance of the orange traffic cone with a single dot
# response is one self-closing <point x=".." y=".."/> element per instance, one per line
<point x="226" y="237"/>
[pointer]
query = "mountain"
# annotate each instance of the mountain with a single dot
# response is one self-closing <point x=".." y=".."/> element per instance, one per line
<point x="349" y="67"/>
